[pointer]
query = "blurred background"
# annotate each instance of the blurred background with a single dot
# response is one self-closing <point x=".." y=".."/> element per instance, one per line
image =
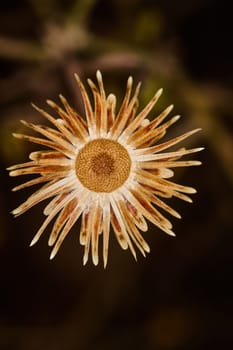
<point x="181" y="296"/>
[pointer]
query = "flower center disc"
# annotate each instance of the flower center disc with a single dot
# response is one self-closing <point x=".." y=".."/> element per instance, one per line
<point x="102" y="165"/>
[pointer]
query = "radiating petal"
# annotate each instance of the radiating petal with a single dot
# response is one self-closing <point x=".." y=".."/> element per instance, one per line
<point x="154" y="134"/>
<point x="106" y="228"/>
<point x="103" y="102"/>
<point x="124" y="112"/>
<point x="56" y="122"/>
<point x="46" y="143"/>
<point x="165" y="145"/>
<point x="144" y="130"/>
<point x="62" y="219"/>
<point x="35" y="181"/>
<point x="52" y="214"/>
<point x="142" y="115"/>
<point x="97" y="108"/>
<point x="87" y="106"/>
<point x="49" y="191"/>
<point x="111" y="110"/>
<point x="148" y="210"/>
<point x="131" y="228"/>
<point x="75" y="214"/>
<point x="96" y="223"/>
<point x="121" y="222"/>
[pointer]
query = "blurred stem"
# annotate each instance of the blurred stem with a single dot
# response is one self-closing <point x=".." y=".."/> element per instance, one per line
<point x="20" y="49"/>
<point x="80" y="12"/>
<point x="43" y="8"/>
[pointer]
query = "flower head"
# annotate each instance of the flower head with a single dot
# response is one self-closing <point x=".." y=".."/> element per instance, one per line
<point x="108" y="169"/>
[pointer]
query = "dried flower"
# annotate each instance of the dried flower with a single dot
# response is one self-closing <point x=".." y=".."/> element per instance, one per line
<point x="107" y="169"/>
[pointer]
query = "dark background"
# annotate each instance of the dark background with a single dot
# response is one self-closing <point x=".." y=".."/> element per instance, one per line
<point x="180" y="296"/>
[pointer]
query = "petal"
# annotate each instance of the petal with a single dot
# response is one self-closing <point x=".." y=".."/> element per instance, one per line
<point x="103" y="123"/>
<point x="106" y="228"/>
<point x="62" y="219"/>
<point x="124" y="112"/>
<point x="111" y="110"/>
<point x="131" y="228"/>
<point x="87" y="106"/>
<point x="165" y="145"/>
<point x="49" y="191"/>
<point x="96" y="223"/>
<point x="148" y="210"/>
<point x="154" y="134"/>
<point x="121" y="222"/>
<point x="69" y="224"/>
<point x="151" y="126"/>
<point x="46" y="143"/>
<point x="66" y="199"/>
<point x="142" y="115"/>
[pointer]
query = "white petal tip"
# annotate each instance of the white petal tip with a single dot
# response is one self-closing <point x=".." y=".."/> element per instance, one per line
<point x="111" y="98"/>
<point x="95" y="260"/>
<point x="169" y="109"/>
<point x="50" y="243"/>
<point x="130" y="80"/>
<point x="159" y="92"/>
<point x="33" y="242"/>
<point x="50" y="103"/>
<point x="85" y="259"/>
<point x="98" y="75"/>
<point x="15" y="212"/>
<point x="62" y="98"/>
<point x="82" y="241"/>
<point x="76" y="76"/>
<point x="171" y="233"/>
<point x="124" y="245"/>
<point x="177" y="117"/>
<point x="52" y="255"/>
<point x="16" y="135"/>
<point x="145" y="122"/>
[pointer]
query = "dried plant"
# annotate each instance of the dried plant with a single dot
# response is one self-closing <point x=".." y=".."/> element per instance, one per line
<point x="108" y="169"/>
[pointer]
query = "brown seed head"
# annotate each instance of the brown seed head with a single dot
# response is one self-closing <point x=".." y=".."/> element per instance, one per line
<point x="102" y="165"/>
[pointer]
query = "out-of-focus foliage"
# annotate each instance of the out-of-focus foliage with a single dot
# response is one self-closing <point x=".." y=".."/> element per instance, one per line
<point x="180" y="297"/>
